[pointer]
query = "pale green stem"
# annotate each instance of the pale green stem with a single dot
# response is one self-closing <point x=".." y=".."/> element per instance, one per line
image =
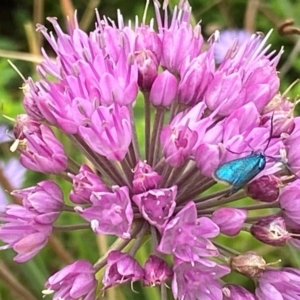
<point x="147" y="108"/>
<point x="135" y="143"/>
<point x="62" y="228"/>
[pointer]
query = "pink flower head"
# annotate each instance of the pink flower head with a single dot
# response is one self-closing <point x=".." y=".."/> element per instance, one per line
<point x="151" y="164"/>
<point x="289" y="202"/>
<point x="186" y="131"/>
<point x="144" y="178"/>
<point x="281" y="284"/>
<point x="84" y="184"/>
<point x="121" y="268"/>
<point x="108" y="132"/>
<point x="45" y="200"/>
<point x="196" y="76"/>
<point x="292" y="146"/>
<point x="76" y="281"/>
<point x="40" y="150"/>
<point x="110" y="213"/>
<point x="157" y="206"/>
<point x="179" y="40"/>
<point x="199" y="281"/>
<point x="22" y="233"/>
<point x="240" y="75"/>
<point x="187" y="237"/>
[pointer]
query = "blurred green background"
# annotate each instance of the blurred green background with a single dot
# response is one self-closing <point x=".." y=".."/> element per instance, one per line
<point x="21" y="44"/>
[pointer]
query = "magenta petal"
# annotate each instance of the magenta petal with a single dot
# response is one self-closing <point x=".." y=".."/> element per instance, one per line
<point x="164" y="89"/>
<point x="29" y="246"/>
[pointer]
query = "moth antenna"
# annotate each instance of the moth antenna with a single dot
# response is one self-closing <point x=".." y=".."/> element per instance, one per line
<point x="252" y="150"/>
<point x="271" y="133"/>
<point x="238" y="152"/>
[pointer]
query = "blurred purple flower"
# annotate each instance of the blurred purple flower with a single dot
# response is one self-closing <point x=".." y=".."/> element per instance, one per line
<point x="4" y="136"/>
<point x="229" y="41"/>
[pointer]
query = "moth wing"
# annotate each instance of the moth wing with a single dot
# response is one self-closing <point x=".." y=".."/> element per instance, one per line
<point x="238" y="172"/>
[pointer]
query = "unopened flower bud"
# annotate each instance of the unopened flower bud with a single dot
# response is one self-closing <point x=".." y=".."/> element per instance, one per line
<point x="236" y="292"/>
<point x="164" y="89"/>
<point x="156" y="271"/>
<point x="147" y="69"/>
<point x="271" y="231"/>
<point x="85" y="182"/>
<point x="249" y="264"/>
<point x="147" y="38"/>
<point x="265" y="189"/>
<point x="230" y="220"/>
<point x="145" y="178"/>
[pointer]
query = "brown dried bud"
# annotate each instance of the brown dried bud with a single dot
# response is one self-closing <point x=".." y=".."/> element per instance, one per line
<point x="271" y="230"/>
<point x="249" y="264"/>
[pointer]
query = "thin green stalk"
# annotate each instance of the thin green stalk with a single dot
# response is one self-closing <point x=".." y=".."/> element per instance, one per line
<point x="163" y="292"/>
<point x="165" y="174"/>
<point x="219" y="201"/>
<point x="13" y="284"/>
<point x="118" y="245"/>
<point x="139" y="239"/>
<point x="128" y="172"/>
<point x="73" y="166"/>
<point x="176" y="173"/>
<point x="257" y="218"/>
<point x="102" y="164"/>
<point x="63" y="228"/>
<point x="147" y="108"/>
<point x="135" y="143"/>
<point x="212" y="195"/>
<point x="158" y="123"/>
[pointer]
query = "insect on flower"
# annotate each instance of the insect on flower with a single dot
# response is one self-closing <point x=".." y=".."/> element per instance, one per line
<point x="240" y="171"/>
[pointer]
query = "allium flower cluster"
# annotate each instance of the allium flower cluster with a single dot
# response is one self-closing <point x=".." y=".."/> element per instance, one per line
<point x="199" y="113"/>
